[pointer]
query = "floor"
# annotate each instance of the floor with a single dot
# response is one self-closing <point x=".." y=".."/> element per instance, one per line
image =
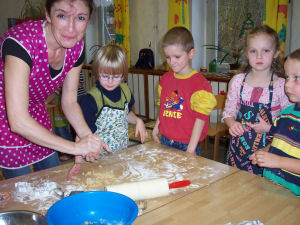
<point x="223" y="147"/>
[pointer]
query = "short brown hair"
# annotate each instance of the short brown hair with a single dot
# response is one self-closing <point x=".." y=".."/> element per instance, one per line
<point x="179" y="36"/>
<point x="295" y="55"/>
<point x="110" y="59"/>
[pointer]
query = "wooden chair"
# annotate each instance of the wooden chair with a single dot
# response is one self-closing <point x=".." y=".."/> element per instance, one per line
<point x="217" y="129"/>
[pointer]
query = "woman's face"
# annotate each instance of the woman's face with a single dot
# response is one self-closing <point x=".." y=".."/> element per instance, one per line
<point x="68" y="21"/>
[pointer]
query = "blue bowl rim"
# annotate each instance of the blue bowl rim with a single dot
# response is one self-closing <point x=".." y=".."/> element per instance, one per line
<point x="135" y="212"/>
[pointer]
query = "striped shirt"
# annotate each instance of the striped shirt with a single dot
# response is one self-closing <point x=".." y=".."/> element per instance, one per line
<point x="286" y="143"/>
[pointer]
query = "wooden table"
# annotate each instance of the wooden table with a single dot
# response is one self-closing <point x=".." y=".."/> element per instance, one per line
<point x="239" y="197"/>
<point x="218" y="194"/>
<point x="141" y="162"/>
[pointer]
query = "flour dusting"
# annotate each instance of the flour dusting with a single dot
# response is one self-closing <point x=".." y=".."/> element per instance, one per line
<point x="39" y="194"/>
<point x="159" y="163"/>
<point x="140" y="164"/>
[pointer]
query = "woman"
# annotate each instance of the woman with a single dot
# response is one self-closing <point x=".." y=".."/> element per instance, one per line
<point x="36" y="58"/>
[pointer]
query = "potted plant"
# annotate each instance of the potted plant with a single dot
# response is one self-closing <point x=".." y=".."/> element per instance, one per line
<point x="93" y="50"/>
<point x="32" y="11"/>
<point x="235" y="54"/>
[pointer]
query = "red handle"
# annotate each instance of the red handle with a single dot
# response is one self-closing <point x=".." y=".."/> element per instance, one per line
<point x="179" y="184"/>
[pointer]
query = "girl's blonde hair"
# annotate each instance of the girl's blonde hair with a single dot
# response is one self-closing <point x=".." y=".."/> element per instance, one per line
<point x="110" y="59"/>
<point x="277" y="65"/>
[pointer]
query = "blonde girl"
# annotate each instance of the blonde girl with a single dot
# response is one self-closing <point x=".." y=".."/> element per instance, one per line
<point x="255" y="98"/>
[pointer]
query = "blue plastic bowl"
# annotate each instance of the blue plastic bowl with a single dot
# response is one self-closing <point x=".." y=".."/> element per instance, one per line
<point x="94" y="207"/>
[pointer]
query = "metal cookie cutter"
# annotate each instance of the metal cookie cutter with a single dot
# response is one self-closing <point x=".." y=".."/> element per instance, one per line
<point x="142" y="205"/>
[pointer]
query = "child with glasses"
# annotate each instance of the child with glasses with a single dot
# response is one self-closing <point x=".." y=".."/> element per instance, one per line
<point x="107" y="107"/>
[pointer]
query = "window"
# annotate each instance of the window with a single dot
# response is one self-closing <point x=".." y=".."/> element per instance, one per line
<point x="108" y="23"/>
<point x="235" y="19"/>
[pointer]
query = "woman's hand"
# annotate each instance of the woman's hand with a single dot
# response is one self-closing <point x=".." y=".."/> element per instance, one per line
<point x="90" y="144"/>
<point x="261" y="127"/>
<point x="93" y="143"/>
<point x="141" y="129"/>
<point x="236" y="129"/>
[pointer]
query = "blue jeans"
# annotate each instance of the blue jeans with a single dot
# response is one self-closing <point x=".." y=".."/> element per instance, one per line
<point x="49" y="162"/>
<point x="178" y="145"/>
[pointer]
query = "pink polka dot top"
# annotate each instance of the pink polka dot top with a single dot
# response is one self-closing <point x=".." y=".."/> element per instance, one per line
<point x="16" y="151"/>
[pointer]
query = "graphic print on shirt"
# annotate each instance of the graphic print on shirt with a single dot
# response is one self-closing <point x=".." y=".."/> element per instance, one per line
<point x="173" y="101"/>
<point x="173" y="105"/>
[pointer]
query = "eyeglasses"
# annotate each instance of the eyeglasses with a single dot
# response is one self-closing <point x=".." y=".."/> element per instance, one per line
<point x="115" y="78"/>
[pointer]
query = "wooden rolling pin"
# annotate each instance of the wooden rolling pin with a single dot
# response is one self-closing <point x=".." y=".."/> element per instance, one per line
<point x="146" y="189"/>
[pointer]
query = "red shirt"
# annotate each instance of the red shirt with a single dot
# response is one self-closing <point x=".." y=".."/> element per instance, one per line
<point x="183" y="99"/>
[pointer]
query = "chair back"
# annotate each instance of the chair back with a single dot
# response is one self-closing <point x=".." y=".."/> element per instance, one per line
<point x="50" y="108"/>
<point x="216" y="128"/>
<point x="218" y="109"/>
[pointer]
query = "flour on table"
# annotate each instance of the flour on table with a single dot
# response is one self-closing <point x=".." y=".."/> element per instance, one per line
<point x="39" y="194"/>
<point x="137" y="166"/>
<point x="158" y="163"/>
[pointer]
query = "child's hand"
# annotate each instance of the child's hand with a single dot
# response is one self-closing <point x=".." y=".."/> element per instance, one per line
<point x="141" y="129"/>
<point x="76" y="168"/>
<point x="261" y="127"/>
<point x="252" y="158"/>
<point x="191" y="151"/>
<point x="91" y="157"/>
<point x="236" y="129"/>
<point x="265" y="159"/>
<point x="155" y="133"/>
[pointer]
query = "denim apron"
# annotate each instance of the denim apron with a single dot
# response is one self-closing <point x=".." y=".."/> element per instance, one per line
<point x="112" y="125"/>
<point x="241" y="147"/>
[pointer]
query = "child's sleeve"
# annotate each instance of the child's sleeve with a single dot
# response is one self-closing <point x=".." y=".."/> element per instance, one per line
<point x="202" y="103"/>
<point x="89" y="109"/>
<point x="159" y="94"/>
<point x="131" y="103"/>
<point x="232" y="99"/>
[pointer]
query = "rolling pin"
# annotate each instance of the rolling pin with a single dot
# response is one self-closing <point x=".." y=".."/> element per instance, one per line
<point x="146" y="189"/>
